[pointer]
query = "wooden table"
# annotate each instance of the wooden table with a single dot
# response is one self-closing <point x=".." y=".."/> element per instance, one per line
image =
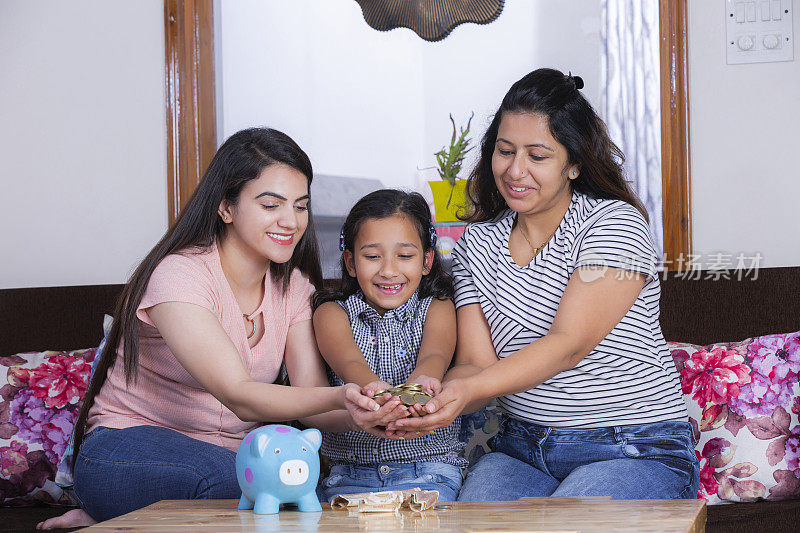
<point x="529" y="514"/>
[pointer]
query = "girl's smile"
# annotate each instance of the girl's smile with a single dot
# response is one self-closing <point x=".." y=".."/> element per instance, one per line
<point x="390" y="289"/>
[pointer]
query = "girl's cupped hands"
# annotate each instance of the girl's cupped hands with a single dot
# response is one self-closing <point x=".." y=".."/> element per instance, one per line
<point x="441" y="411"/>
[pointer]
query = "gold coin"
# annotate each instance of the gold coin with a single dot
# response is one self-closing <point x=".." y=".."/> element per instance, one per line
<point x="407" y="399"/>
<point x="422" y="399"/>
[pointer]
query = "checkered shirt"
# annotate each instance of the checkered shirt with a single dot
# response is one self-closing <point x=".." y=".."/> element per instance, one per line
<point x="390" y="345"/>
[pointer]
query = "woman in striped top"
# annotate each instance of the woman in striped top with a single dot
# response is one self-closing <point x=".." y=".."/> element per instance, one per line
<point x="557" y="304"/>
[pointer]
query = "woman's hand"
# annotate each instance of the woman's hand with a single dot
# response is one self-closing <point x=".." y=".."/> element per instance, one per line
<point x="371" y="417"/>
<point x="441" y="411"/>
<point x="352" y="397"/>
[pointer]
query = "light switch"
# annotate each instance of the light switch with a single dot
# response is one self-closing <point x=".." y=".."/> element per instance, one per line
<point x="758" y="31"/>
<point x="739" y="9"/>
<point x="776" y="9"/>
<point x="765" y="14"/>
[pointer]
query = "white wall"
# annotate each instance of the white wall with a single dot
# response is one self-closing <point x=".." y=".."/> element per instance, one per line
<point x="744" y="124"/>
<point x="373" y="104"/>
<point x="82" y="135"/>
<point x="82" y="139"/>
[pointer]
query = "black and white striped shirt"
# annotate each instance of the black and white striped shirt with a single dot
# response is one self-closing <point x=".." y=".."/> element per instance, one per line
<point x="390" y="344"/>
<point x="629" y="378"/>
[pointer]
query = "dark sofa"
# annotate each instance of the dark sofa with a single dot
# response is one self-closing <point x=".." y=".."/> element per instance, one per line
<point x="699" y="311"/>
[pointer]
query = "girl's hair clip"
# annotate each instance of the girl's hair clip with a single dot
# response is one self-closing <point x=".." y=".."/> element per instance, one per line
<point x="341" y="239"/>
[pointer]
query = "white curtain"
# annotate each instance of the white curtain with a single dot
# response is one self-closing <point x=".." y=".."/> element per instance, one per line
<point x="630" y="97"/>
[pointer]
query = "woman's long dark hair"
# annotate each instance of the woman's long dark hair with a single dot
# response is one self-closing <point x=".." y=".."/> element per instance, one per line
<point x="380" y="204"/>
<point x="574" y="124"/>
<point x="240" y="159"/>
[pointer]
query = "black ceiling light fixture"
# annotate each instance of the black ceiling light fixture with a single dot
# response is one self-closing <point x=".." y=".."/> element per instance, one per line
<point x="433" y="20"/>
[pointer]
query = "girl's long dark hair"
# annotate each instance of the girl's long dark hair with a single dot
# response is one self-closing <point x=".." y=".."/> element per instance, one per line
<point x="380" y="204"/>
<point x="240" y="159"/>
<point x="573" y="123"/>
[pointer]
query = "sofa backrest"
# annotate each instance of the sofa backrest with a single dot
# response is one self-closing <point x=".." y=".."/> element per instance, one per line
<point x="700" y="311"/>
<point x="54" y="318"/>
<point x="706" y="310"/>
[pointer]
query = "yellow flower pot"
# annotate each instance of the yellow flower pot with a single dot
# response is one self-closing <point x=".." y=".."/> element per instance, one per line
<point x="442" y="195"/>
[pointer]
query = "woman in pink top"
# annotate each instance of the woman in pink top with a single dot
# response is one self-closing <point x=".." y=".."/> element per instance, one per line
<point x="201" y="331"/>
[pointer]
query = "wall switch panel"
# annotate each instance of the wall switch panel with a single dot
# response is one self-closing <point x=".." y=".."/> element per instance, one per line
<point x="759" y="31"/>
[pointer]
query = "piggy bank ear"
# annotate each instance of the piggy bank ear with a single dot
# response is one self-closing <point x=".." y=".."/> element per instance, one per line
<point x="313" y="436"/>
<point x="259" y="445"/>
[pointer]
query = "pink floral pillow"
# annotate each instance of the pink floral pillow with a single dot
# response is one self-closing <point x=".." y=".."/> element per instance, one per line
<point x="744" y="403"/>
<point x="40" y="395"/>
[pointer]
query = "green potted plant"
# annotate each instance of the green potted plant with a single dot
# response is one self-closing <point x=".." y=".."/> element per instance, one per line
<point x="449" y="194"/>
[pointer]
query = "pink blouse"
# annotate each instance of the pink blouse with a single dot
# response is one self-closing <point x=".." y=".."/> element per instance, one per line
<point x="165" y="394"/>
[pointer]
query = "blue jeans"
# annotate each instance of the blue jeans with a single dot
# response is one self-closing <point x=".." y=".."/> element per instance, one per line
<point x="349" y="479"/>
<point x="647" y="461"/>
<point x="121" y="470"/>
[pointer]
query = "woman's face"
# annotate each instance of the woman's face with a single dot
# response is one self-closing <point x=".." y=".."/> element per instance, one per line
<point x="270" y="215"/>
<point x="529" y="166"/>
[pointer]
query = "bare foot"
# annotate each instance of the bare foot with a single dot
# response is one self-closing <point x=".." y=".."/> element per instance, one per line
<point x="73" y="518"/>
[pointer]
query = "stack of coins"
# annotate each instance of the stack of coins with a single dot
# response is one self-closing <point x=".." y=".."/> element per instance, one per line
<point x="409" y="394"/>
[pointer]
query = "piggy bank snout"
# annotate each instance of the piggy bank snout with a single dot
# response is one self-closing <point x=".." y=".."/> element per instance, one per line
<point x="294" y="472"/>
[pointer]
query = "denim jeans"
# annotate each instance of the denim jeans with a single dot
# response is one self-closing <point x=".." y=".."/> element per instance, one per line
<point x="647" y="461"/>
<point x="349" y="479"/>
<point x="121" y="470"/>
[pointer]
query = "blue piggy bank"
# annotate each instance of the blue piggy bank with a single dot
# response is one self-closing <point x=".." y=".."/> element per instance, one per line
<point x="278" y="464"/>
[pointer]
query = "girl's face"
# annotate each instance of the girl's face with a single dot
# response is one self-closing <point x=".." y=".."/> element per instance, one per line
<point x="388" y="261"/>
<point x="271" y="214"/>
<point x="529" y="166"/>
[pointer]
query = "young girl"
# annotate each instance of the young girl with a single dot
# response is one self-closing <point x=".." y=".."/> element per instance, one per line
<point x="391" y="321"/>
<point x="199" y="336"/>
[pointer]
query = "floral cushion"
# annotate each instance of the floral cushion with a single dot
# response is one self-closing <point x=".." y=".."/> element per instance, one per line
<point x="744" y="401"/>
<point x="40" y="395"/>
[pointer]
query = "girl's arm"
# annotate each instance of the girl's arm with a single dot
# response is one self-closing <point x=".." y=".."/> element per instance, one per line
<point x="587" y="313"/>
<point x="335" y="341"/>
<point x="306" y="369"/>
<point x="438" y="341"/>
<point x="203" y="348"/>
